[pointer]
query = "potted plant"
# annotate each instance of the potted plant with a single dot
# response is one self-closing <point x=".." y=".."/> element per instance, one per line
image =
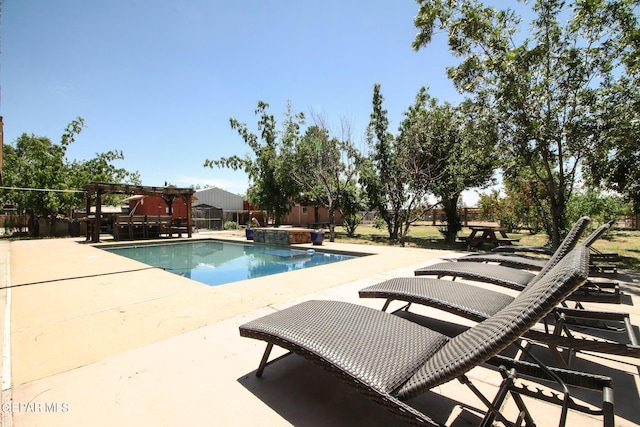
<point x="251" y="225"/>
<point x="317" y="236"/>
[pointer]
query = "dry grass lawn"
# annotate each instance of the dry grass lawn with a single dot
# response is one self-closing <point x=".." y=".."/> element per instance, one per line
<point x="625" y="243"/>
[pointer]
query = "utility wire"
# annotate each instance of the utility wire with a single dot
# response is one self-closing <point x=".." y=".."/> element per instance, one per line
<point x="46" y="190"/>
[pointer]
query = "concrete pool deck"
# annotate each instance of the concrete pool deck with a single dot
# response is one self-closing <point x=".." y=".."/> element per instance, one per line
<point x="98" y="339"/>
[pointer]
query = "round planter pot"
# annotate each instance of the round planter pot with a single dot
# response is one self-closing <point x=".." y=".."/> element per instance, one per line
<point x="317" y="237"/>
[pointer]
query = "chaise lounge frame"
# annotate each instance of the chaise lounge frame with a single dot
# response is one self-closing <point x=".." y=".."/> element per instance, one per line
<point x="517" y="260"/>
<point x="477" y="304"/>
<point x="518" y="279"/>
<point x="391" y="359"/>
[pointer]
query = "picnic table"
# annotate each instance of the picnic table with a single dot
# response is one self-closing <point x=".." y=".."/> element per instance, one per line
<point x="488" y="235"/>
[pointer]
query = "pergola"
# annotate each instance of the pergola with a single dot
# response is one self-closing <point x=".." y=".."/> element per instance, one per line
<point x="95" y="191"/>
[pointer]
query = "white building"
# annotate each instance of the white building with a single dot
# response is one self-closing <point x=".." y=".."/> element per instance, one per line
<point x="219" y="198"/>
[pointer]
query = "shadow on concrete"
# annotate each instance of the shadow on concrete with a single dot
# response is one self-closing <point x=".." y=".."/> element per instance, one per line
<point x="305" y="394"/>
<point x="625" y="388"/>
<point x="626" y="392"/>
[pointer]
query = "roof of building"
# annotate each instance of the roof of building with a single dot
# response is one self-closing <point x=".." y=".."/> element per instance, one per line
<point x="112" y="188"/>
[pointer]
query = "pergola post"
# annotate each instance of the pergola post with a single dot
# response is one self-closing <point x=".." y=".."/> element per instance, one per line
<point x="88" y="232"/>
<point x="100" y="189"/>
<point x="98" y="224"/>
<point x="169" y="201"/>
<point x="189" y="214"/>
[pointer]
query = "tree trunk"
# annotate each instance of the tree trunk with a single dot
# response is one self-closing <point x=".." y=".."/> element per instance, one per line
<point x="392" y="224"/>
<point x="51" y="220"/>
<point x="558" y="219"/>
<point x="454" y="224"/>
<point x="404" y="230"/>
<point x="332" y="223"/>
<point x="33" y="224"/>
<point x="396" y="228"/>
<point x="277" y="218"/>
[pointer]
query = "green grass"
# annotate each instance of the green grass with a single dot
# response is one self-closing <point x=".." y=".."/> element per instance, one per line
<point x="625" y="243"/>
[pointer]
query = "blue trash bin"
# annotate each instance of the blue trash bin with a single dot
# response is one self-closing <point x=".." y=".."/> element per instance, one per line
<point x="317" y="237"/>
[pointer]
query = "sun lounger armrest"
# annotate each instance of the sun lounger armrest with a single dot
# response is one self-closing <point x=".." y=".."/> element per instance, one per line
<point x="572" y="378"/>
<point x="591" y="314"/>
<point x="545" y="250"/>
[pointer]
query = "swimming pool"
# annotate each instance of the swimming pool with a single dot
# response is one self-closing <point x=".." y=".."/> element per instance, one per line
<point x="215" y="262"/>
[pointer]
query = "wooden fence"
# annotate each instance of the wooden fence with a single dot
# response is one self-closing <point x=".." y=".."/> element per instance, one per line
<point x="14" y="223"/>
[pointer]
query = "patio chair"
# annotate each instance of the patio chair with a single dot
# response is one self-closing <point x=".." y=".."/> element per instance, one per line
<point x="518" y="279"/>
<point x="391" y="359"/>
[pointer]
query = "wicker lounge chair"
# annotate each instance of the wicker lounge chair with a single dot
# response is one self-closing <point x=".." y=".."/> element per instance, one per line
<point x="518" y="279"/>
<point x="477" y="304"/>
<point x="531" y="262"/>
<point x="596" y="255"/>
<point x="391" y="359"/>
<point x="544" y="250"/>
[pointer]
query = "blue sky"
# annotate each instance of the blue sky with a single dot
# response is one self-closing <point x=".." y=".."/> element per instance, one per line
<point x="159" y="79"/>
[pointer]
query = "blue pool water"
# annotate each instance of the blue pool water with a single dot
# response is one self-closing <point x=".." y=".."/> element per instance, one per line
<point x="214" y="262"/>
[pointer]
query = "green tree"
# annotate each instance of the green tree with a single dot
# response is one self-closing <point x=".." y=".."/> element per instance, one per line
<point x="381" y="173"/>
<point x="615" y="163"/>
<point x="272" y="186"/>
<point x="325" y="169"/>
<point x="37" y="164"/>
<point x="454" y="147"/>
<point x="515" y="210"/>
<point x="545" y="87"/>
<point x="352" y="204"/>
<point x="101" y="168"/>
<point x="522" y="205"/>
<point x="598" y="206"/>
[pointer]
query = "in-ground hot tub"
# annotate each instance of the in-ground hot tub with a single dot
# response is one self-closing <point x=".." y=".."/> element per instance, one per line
<point x="282" y="236"/>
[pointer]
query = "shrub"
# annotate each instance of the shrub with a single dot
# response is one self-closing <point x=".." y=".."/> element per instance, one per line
<point x="351" y="222"/>
<point x="230" y="225"/>
<point x="378" y="223"/>
<point x="600" y="206"/>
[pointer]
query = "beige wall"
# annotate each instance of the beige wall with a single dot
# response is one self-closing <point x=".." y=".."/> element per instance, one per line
<point x="305" y="216"/>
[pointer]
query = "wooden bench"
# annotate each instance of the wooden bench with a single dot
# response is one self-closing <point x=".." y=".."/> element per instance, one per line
<point x="487" y="235"/>
<point x="507" y="241"/>
<point x="141" y="226"/>
<point x="128" y="227"/>
<point x="120" y="227"/>
<point x="157" y="225"/>
<point x="179" y="225"/>
<point x="138" y="229"/>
